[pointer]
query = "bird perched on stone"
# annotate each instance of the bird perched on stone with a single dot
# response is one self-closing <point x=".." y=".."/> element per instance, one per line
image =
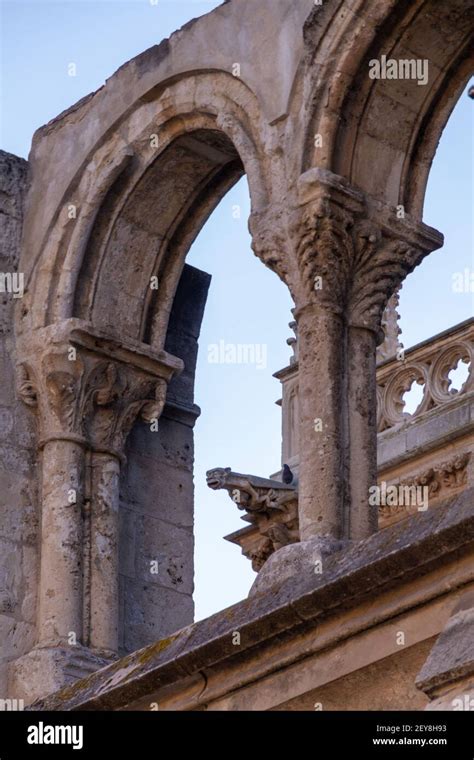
<point x="287" y="475"/>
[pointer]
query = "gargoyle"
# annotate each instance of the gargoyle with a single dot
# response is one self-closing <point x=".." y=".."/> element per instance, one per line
<point x="250" y="492"/>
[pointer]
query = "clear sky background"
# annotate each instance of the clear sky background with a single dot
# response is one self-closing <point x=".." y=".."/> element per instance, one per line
<point x="240" y="424"/>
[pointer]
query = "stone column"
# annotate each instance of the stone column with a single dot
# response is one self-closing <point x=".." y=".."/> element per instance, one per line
<point x="88" y="389"/>
<point x="121" y="393"/>
<point x="60" y="589"/>
<point x="104" y="554"/>
<point x="343" y="255"/>
<point x="50" y="382"/>
<point x="362" y="430"/>
<point x="365" y="306"/>
<point x="322" y="241"/>
<point x="321" y="476"/>
<point x="383" y="251"/>
<point x="351" y="255"/>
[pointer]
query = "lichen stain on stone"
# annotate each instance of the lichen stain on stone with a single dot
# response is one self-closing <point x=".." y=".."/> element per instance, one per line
<point x="70" y="692"/>
<point x="148" y="653"/>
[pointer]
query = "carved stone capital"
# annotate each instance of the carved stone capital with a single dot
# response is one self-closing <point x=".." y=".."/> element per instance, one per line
<point x="269" y="243"/>
<point x="391" y="330"/>
<point x="348" y="265"/>
<point x="379" y="265"/>
<point x="352" y="253"/>
<point x="89" y="387"/>
<point x="112" y="398"/>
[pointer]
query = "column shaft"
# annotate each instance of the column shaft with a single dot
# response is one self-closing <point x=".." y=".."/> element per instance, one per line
<point x="321" y="488"/>
<point x="60" y="594"/>
<point x="104" y="570"/>
<point x="362" y="403"/>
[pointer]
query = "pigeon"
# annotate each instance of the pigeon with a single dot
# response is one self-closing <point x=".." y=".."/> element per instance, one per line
<point x="287" y="476"/>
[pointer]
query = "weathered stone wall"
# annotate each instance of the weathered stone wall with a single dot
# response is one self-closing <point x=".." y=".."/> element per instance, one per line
<point x="157" y="493"/>
<point x="18" y="517"/>
<point x="387" y="684"/>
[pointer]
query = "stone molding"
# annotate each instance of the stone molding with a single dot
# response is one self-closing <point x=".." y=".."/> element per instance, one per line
<point x="442" y="480"/>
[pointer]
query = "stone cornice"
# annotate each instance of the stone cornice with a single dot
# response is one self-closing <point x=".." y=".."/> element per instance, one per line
<point x="77" y="332"/>
<point x="186" y="415"/>
<point x="286" y="372"/>
<point x="137" y="355"/>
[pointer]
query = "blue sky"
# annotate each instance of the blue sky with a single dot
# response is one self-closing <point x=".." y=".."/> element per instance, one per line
<point x="240" y="424"/>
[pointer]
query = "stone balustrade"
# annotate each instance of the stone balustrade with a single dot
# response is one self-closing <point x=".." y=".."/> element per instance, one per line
<point x="428" y="364"/>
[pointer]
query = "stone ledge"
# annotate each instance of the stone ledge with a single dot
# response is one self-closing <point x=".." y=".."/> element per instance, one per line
<point x="388" y="559"/>
<point x="53" y="668"/>
<point x="431" y="431"/>
<point x="452" y="658"/>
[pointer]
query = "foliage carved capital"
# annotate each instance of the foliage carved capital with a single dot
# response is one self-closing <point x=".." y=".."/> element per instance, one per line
<point x="350" y="253"/>
<point x="89" y="388"/>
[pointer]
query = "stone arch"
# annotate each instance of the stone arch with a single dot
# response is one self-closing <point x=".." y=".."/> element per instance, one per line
<point x="141" y="201"/>
<point x="180" y="157"/>
<point x="97" y="372"/>
<point x="355" y="114"/>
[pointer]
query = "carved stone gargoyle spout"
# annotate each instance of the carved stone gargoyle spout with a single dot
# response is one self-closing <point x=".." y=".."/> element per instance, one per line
<point x="271" y="509"/>
<point x="249" y="492"/>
